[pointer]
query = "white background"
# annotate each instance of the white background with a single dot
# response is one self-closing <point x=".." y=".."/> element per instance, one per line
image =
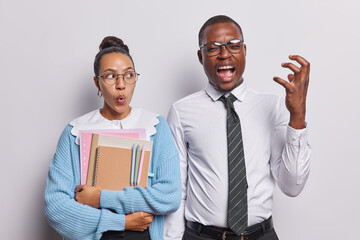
<point x="47" y="50"/>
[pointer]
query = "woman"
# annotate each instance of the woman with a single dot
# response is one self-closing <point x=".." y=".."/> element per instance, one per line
<point x="86" y="212"/>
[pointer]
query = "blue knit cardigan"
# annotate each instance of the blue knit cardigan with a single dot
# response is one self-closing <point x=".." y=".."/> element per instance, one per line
<point x="76" y="221"/>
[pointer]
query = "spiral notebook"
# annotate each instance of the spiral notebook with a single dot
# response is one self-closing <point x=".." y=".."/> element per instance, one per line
<point x="112" y="169"/>
<point x="111" y="141"/>
<point x="86" y="140"/>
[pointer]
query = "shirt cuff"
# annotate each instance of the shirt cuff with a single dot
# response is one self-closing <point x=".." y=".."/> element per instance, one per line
<point x="297" y="137"/>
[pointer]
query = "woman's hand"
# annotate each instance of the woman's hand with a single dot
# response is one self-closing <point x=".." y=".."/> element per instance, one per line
<point x="138" y="221"/>
<point x="88" y="195"/>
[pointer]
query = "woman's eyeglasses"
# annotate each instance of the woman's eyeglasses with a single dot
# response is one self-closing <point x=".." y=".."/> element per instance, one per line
<point x="112" y="78"/>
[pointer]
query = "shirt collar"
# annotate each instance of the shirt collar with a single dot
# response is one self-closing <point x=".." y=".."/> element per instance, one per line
<point x="239" y="92"/>
<point x="137" y="119"/>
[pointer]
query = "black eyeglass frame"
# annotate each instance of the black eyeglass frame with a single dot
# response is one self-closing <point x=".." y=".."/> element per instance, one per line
<point x="218" y="44"/>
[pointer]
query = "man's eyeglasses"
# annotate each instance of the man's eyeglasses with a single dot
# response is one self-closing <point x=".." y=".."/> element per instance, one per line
<point x="214" y="48"/>
<point x="111" y="78"/>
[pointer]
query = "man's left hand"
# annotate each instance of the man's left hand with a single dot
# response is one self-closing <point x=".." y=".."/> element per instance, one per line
<point x="296" y="90"/>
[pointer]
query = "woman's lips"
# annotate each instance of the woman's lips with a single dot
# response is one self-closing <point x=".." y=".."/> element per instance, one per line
<point x="120" y="100"/>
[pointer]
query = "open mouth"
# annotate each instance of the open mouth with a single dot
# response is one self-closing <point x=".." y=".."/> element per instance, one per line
<point x="226" y="73"/>
<point x="121" y="99"/>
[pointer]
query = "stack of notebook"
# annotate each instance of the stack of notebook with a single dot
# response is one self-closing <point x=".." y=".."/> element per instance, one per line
<point x="115" y="160"/>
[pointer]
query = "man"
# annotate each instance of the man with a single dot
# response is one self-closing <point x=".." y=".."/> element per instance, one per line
<point x="235" y="143"/>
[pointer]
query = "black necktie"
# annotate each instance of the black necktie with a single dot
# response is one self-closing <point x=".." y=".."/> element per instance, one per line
<point x="237" y="202"/>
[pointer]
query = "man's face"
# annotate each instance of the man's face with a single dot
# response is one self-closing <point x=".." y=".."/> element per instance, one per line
<point x="225" y="70"/>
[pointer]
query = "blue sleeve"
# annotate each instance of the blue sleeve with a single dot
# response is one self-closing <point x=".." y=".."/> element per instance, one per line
<point x="164" y="194"/>
<point x="70" y="218"/>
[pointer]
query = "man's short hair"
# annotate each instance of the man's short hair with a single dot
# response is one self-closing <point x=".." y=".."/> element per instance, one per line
<point x="215" y="20"/>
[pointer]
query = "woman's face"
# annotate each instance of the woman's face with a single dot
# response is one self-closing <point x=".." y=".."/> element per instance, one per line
<point x="117" y="97"/>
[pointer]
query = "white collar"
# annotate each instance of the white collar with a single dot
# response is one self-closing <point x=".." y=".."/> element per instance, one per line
<point x="138" y="118"/>
<point x="239" y="92"/>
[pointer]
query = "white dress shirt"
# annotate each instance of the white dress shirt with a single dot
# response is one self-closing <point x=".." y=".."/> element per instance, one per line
<point x="274" y="153"/>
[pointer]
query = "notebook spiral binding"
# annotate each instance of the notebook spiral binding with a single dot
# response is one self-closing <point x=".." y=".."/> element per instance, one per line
<point x="94" y="183"/>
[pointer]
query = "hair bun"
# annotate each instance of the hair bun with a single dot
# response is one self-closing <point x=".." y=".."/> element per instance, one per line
<point x="112" y="41"/>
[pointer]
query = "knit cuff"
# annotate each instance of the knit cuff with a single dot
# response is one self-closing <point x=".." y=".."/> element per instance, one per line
<point x="120" y="201"/>
<point x="110" y="221"/>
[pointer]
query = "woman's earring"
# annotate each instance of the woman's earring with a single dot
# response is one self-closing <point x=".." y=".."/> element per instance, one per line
<point x="99" y="93"/>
